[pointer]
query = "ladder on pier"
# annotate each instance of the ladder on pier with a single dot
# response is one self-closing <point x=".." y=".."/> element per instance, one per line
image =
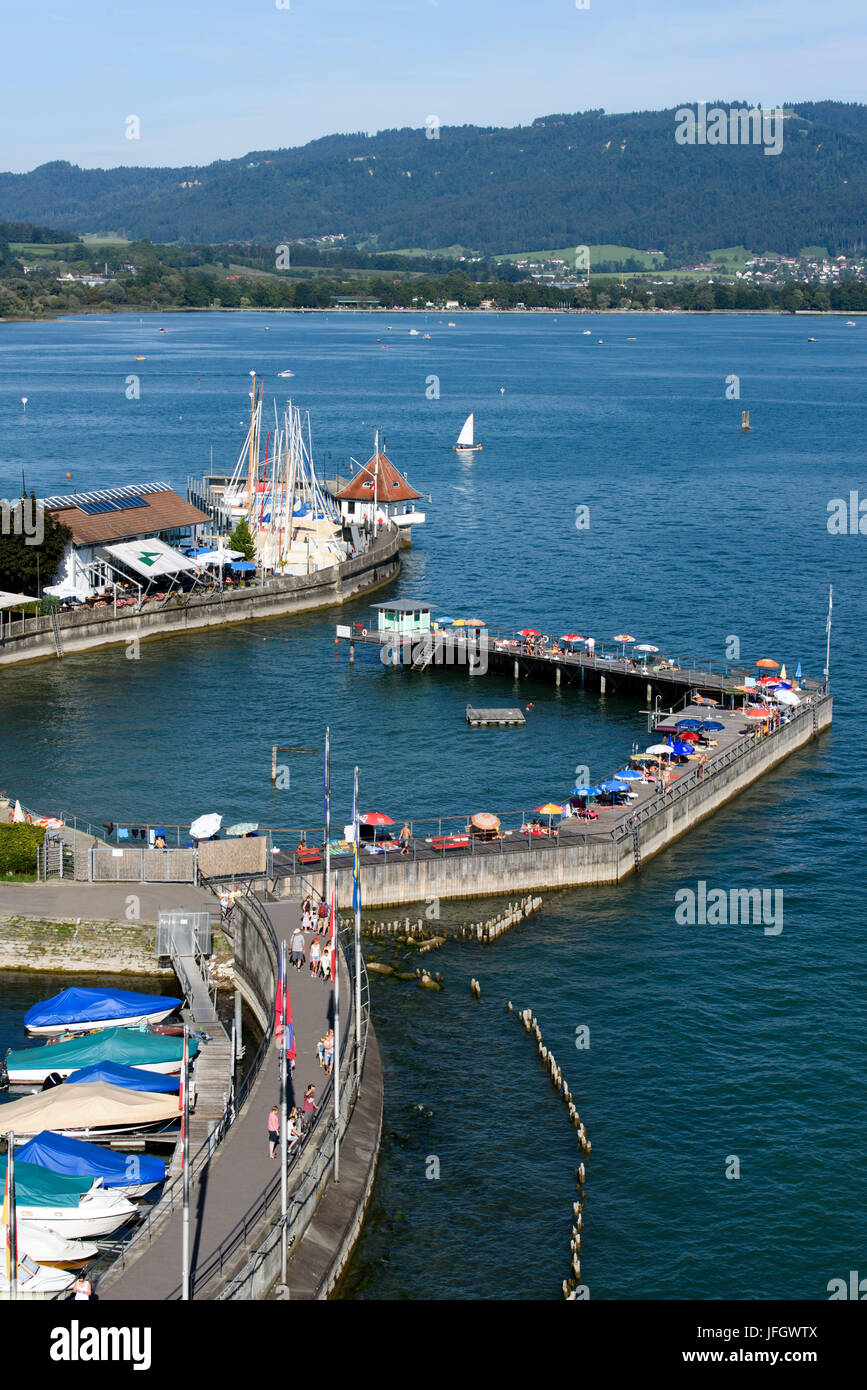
<point x="636" y="846"/>
<point x="55" y="630"/>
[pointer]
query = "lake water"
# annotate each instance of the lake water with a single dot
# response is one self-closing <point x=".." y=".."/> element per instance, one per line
<point x="706" y="1042"/>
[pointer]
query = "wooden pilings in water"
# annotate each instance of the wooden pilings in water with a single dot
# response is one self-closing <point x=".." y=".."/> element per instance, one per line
<point x="434" y="934"/>
<point x="530" y="1024"/>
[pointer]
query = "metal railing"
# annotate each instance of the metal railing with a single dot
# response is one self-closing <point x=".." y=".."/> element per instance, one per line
<point x="172" y="1194"/>
<point x="307" y="1182"/>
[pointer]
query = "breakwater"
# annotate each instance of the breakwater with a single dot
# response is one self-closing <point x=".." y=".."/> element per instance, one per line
<point x="428" y="936"/>
<point x="46" y="636"/>
<point x="582" y="855"/>
<point x="81" y="947"/>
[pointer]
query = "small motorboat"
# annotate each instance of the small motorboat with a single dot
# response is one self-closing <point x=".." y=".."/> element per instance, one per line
<point x="812" y="340"/>
<point x="158" y="1050"/>
<point x="286" y="373"/>
<point x="127" y="1175"/>
<point x="36" y="1280"/>
<point x="48" y="1247"/>
<point x="425" y="335"/>
<point x="850" y="323"/>
<point x="93" y="1110"/>
<point x="75" y="1208"/>
<point x="466" y="443"/>
<point x="77" y="1010"/>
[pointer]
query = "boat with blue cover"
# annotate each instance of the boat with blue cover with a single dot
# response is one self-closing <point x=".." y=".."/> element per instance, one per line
<point x="75" y="1207"/>
<point x="77" y="1010"/>
<point x="135" y="1078"/>
<point x="128" y="1047"/>
<point x="129" y="1175"/>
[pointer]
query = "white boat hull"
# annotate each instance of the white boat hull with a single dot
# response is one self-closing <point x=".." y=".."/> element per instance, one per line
<point x="35" y="1075"/>
<point x="46" y="1283"/>
<point x="97" y="1214"/>
<point x="47" y="1246"/>
<point x="93" y="1025"/>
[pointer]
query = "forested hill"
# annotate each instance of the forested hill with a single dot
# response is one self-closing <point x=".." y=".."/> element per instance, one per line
<point x="566" y="179"/>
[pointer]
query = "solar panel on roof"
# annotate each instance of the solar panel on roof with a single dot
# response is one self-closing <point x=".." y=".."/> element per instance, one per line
<point x="112" y="504"/>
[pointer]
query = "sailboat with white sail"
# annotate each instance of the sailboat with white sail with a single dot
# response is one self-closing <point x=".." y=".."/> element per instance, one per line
<point x="466" y="442"/>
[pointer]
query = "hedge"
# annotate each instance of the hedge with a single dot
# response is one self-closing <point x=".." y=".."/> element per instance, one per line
<point x="18" y="846"/>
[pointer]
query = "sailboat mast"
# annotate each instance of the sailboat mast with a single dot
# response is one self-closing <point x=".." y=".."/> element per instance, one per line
<point x="250" y="463"/>
<point x="828" y="645"/>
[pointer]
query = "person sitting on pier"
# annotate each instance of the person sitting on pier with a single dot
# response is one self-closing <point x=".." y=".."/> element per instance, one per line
<point x="293" y="1128"/>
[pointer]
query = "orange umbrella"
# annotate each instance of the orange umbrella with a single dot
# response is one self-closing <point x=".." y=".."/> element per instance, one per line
<point x="766" y="661"/>
<point x="760" y="713"/>
<point x="483" y="820"/>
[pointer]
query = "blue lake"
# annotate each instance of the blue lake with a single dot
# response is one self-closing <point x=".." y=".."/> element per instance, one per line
<point x="705" y="1042"/>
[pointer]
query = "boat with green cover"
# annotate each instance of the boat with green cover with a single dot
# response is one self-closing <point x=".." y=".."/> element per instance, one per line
<point x="75" y="1207"/>
<point x="129" y="1047"/>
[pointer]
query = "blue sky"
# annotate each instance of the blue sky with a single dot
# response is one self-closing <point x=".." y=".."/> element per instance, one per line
<point x="214" y="79"/>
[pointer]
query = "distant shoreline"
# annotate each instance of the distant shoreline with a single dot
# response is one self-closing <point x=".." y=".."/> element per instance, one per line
<point x="483" y="313"/>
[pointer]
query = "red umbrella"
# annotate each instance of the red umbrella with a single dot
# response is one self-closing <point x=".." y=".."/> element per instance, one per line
<point x="688" y="736"/>
<point x="572" y="637"/>
<point x="759" y="713"/>
<point x="375" y="818"/>
<point x="529" y="632"/>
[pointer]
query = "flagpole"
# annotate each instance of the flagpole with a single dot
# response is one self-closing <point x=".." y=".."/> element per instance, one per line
<point x="12" y="1231"/>
<point x="335" y="973"/>
<point x="828" y="647"/>
<point x="327" y="873"/>
<point x="356" y="902"/>
<point x="185" y="1147"/>
<point x="283" y="989"/>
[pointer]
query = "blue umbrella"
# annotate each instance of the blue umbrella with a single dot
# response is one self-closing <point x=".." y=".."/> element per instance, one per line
<point x="629" y="774"/>
<point x="244" y="565"/>
<point x="612" y="786"/>
<point x="694" y="724"/>
<point x="798" y="673"/>
<point x="442" y="621"/>
<point x="711" y="724"/>
<point x="585" y="791"/>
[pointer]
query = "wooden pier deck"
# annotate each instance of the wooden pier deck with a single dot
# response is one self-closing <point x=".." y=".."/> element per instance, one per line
<point x="608" y="668"/>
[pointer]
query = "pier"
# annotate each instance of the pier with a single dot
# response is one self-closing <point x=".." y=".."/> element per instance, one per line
<point x="446" y="860"/>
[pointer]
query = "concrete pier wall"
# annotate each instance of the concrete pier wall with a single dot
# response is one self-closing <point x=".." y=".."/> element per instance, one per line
<point x="594" y="862"/>
<point x="87" y="629"/>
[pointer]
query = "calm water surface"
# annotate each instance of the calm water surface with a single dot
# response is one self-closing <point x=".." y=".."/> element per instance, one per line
<point x="705" y="1042"/>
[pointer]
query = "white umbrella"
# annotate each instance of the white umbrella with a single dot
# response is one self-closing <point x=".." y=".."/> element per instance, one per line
<point x="218" y="557"/>
<point x="18" y="814"/>
<point x="646" y="647"/>
<point x="206" y="826"/>
<point x="659" y="749"/>
<point x="786" y="697"/>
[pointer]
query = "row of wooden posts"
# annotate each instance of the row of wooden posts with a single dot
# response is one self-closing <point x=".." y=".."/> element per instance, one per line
<point x="434" y="933"/>
<point x="572" y="1287"/>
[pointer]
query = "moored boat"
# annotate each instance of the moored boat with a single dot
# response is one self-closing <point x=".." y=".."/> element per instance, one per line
<point x="75" y="1208"/>
<point x="92" y="1110"/>
<point x="49" y="1247"/>
<point x="36" y="1280"/>
<point x="77" y="1010"/>
<point x="127" y="1175"/>
<point x="133" y="1078"/>
<point x="128" y="1047"/>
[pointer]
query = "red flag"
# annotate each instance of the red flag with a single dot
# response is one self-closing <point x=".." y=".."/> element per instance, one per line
<point x="278" y="1017"/>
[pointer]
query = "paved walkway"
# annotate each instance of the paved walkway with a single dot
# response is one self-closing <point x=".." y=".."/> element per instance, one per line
<point x="234" y="1181"/>
<point x="65" y="899"/>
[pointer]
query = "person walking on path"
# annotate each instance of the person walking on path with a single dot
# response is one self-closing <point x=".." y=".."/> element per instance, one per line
<point x="315" y="957"/>
<point x="296" y="947"/>
<point x="82" y="1289"/>
<point x="224" y="906"/>
<point x="405" y="836"/>
<point x="273" y="1131"/>
<point x="328" y="1051"/>
<point x="325" y="962"/>
<point x="310" y="1106"/>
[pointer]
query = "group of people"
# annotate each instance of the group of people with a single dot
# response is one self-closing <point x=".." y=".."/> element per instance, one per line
<point x="320" y="951"/>
<point x="298" y="1122"/>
